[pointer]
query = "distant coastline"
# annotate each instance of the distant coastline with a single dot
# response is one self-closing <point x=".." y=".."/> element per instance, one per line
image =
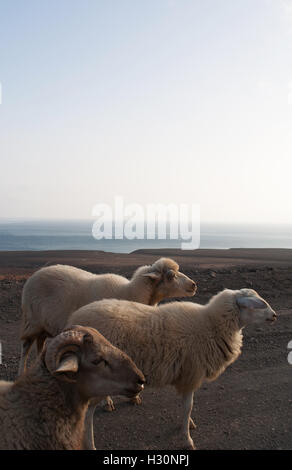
<point x="76" y="235"/>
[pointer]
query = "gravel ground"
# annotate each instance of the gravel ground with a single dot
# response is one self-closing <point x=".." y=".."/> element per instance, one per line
<point x="248" y="407"/>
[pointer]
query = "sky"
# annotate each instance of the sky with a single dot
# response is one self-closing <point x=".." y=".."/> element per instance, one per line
<point x="160" y="101"/>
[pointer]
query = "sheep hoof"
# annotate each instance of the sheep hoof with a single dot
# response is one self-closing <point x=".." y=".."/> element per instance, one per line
<point x="192" y="424"/>
<point x="189" y="445"/>
<point x="109" y="405"/>
<point x="186" y="443"/>
<point x="137" y="400"/>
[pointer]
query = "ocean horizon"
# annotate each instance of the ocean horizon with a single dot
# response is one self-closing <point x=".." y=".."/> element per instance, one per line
<point x="38" y="235"/>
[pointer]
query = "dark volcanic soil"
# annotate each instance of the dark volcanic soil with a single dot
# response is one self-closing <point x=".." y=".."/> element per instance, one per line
<point x="248" y="407"/>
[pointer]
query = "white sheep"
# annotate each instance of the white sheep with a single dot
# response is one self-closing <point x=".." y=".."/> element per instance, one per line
<point x="45" y="408"/>
<point x="178" y="343"/>
<point x="52" y="293"/>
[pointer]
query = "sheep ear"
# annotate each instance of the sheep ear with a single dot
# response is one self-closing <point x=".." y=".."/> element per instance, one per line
<point x="154" y="276"/>
<point x="170" y="274"/>
<point x="68" y="368"/>
<point x="251" y="303"/>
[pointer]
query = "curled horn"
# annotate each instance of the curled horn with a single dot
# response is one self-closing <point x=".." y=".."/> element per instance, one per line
<point x="66" y="342"/>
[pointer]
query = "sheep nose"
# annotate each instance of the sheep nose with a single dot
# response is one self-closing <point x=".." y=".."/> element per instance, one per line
<point x="194" y="285"/>
<point x="141" y="381"/>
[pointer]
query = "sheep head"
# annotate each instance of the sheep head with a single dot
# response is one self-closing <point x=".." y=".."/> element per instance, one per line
<point x="253" y="308"/>
<point x="168" y="281"/>
<point x="83" y="356"/>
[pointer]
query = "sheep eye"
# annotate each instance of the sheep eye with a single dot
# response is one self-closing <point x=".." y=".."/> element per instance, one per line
<point x="96" y="362"/>
<point x="171" y="276"/>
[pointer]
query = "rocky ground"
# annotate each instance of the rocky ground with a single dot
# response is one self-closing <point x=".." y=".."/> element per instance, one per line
<point x="248" y="407"/>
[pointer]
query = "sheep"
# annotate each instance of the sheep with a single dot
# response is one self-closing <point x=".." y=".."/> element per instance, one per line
<point x="179" y="343"/>
<point x="45" y="408"/>
<point x="52" y="293"/>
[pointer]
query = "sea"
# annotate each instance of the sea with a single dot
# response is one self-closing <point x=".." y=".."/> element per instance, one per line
<point x="32" y="235"/>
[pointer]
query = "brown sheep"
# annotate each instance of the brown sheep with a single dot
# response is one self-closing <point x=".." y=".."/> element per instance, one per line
<point x="45" y="408"/>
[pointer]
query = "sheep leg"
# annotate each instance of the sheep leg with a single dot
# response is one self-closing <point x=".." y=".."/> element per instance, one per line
<point x="88" y="438"/>
<point x="192" y="424"/>
<point x="109" y="404"/>
<point x="25" y="347"/>
<point x="136" y="400"/>
<point x="187" y="420"/>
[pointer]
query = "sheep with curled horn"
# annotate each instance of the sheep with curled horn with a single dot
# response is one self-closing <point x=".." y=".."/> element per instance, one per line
<point x="45" y="408"/>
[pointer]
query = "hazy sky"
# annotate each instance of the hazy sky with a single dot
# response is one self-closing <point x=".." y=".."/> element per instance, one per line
<point x="169" y="101"/>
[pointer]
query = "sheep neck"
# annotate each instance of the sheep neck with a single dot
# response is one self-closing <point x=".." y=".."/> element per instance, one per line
<point x="144" y="292"/>
<point x="156" y="296"/>
<point x="54" y="408"/>
<point x="225" y="339"/>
